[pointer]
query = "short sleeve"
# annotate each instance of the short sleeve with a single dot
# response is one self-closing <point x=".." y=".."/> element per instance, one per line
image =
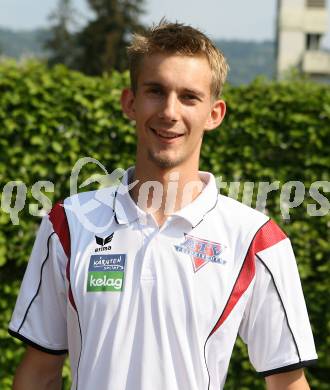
<point x="39" y="317"/>
<point x="275" y="325"/>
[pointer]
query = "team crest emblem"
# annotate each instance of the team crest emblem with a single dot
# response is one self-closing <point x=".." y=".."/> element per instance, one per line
<point x="201" y="251"/>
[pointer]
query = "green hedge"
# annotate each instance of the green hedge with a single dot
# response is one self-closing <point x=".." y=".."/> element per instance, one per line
<point x="273" y="132"/>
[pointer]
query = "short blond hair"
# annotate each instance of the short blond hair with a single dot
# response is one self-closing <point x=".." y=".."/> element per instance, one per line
<point x="177" y="38"/>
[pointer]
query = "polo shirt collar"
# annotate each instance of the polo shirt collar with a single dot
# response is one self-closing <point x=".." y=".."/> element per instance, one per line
<point x="126" y="210"/>
<point x="206" y="201"/>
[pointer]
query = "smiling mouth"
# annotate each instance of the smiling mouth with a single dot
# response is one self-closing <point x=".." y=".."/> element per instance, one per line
<point x="165" y="135"/>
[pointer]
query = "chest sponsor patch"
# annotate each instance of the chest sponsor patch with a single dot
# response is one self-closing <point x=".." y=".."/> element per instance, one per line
<point x="106" y="272"/>
<point x="201" y="251"/>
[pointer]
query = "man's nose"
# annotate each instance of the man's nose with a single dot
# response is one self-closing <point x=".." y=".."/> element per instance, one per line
<point x="170" y="108"/>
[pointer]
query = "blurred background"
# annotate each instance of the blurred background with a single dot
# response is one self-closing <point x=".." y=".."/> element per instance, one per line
<point x="258" y="37"/>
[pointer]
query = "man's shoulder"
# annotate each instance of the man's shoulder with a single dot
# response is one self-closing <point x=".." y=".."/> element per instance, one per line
<point x="103" y="196"/>
<point x="240" y="214"/>
<point x="90" y="208"/>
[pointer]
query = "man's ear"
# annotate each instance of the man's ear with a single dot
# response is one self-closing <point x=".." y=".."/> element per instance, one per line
<point x="127" y="103"/>
<point x="216" y="115"/>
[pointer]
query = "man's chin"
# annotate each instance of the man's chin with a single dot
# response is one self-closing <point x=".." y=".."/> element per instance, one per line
<point x="164" y="162"/>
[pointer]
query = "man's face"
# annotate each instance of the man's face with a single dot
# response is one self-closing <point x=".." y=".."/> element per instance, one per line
<point x="172" y="107"/>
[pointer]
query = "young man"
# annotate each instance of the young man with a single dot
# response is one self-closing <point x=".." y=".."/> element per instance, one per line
<point x="157" y="299"/>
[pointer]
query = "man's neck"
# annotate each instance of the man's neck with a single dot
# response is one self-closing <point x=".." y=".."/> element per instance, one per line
<point x="162" y="192"/>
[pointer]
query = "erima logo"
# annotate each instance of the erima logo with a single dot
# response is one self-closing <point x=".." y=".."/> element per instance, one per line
<point x="102" y="242"/>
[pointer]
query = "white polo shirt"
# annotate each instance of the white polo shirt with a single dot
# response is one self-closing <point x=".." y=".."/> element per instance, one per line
<point x="140" y="307"/>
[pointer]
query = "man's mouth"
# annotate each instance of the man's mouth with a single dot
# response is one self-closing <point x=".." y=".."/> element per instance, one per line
<point x="166" y="134"/>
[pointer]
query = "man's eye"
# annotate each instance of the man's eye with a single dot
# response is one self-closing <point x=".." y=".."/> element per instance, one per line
<point x="190" y="97"/>
<point x="155" y="91"/>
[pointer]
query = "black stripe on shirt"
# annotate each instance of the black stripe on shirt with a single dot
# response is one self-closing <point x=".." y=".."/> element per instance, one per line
<point x="37" y="346"/>
<point x="291" y="367"/>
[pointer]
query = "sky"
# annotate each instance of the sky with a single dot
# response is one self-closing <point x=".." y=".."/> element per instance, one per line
<point x="221" y="19"/>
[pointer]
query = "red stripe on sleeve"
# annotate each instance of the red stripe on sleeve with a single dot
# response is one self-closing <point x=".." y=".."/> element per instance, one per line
<point x="268" y="235"/>
<point x="58" y="218"/>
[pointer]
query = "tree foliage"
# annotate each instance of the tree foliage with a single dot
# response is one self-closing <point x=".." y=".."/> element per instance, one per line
<point x="62" y="41"/>
<point x="49" y="118"/>
<point x="100" y="46"/>
<point x="102" y="43"/>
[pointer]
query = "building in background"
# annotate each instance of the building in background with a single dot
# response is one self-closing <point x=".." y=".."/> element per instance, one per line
<point x="301" y="24"/>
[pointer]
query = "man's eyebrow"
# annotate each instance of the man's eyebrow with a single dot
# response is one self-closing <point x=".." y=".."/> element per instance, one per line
<point x="152" y="84"/>
<point x="184" y="90"/>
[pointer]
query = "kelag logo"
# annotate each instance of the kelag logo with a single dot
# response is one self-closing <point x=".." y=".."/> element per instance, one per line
<point x="105" y="281"/>
<point x="106" y="273"/>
